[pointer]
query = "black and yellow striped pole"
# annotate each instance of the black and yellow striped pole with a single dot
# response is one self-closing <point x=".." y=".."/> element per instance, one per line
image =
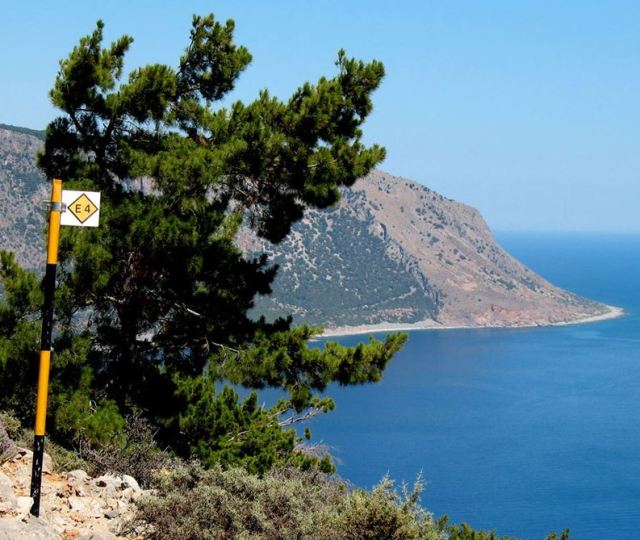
<point x="45" y="343"/>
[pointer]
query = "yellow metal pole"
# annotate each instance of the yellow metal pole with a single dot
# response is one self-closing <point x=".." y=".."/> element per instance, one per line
<point x="45" y="343"/>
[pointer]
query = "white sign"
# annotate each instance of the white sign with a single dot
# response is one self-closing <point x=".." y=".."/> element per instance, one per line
<point x="80" y="208"/>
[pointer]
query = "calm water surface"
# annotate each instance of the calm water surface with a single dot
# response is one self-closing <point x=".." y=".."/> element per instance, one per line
<point x="523" y="430"/>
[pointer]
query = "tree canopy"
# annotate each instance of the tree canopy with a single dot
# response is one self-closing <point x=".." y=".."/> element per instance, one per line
<point x="153" y="306"/>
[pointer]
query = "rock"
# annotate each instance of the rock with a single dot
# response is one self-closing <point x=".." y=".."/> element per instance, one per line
<point x="76" y="476"/>
<point x="111" y="514"/>
<point x="23" y="506"/>
<point x="78" y="480"/>
<point x="130" y="482"/>
<point x="27" y="455"/>
<point x="107" y="480"/>
<point x="87" y="506"/>
<point x="117" y="525"/>
<point x="77" y="504"/>
<point x="47" y="464"/>
<point x="81" y="490"/>
<point x="59" y="523"/>
<point x="8" y="501"/>
<point x="32" y="529"/>
<point x="23" y="453"/>
<point x="122" y="506"/>
<point x="97" y="535"/>
<point x="130" y="494"/>
<point x="107" y="485"/>
<point x="77" y="517"/>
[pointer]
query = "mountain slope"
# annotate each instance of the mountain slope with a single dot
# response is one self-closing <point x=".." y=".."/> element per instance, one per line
<point x="392" y="251"/>
<point x="23" y="194"/>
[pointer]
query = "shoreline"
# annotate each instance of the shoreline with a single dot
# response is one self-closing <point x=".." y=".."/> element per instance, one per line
<point x="613" y="312"/>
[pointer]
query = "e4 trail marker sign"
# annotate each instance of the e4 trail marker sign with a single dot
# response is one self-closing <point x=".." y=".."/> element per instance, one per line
<point x="80" y="208"/>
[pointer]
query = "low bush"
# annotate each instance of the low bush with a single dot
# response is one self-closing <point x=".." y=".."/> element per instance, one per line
<point x="385" y="513"/>
<point x="63" y="458"/>
<point x="225" y="504"/>
<point x="135" y="453"/>
<point x="282" y="504"/>
<point x="7" y="446"/>
<point x="465" y="532"/>
<point x="290" y="504"/>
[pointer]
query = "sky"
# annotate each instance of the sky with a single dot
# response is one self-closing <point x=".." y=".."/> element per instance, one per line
<point x="527" y="110"/>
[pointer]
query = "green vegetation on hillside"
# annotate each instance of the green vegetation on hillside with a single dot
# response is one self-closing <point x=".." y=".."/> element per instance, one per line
<point x="287" y="504"/>
<point x="351" y="279"/>
<point x="283" y="503"/>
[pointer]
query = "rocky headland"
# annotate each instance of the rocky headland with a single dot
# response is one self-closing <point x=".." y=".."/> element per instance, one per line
<point x="395" y="255"/>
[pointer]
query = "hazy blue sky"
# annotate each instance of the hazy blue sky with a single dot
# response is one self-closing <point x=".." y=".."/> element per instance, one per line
<point x="528" y="110"/>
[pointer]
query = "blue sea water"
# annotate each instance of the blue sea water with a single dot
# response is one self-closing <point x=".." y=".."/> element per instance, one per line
<point x="523" y="430"/>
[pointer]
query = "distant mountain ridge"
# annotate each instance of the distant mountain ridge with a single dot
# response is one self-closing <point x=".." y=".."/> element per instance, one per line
<point x="37" y="133"/>
<point x="392" y="251"/>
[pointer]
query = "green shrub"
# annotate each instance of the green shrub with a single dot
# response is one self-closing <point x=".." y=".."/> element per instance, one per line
<point x="288" y="504"/>
<point x="79" y="418"/>
<point x="465" y="532"/>
<point x="282" y="504"/>
<point x="384" y="513"/>
<point x="135" y="453"/>
<point x="63" y="459"/>
<point x="7" y="446"/>
<point x="11" y="424"/>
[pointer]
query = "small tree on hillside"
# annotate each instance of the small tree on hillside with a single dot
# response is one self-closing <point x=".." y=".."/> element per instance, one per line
<point x="153" y="304"/>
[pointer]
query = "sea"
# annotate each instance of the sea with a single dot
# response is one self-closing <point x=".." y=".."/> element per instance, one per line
<point x="522" y="431"/>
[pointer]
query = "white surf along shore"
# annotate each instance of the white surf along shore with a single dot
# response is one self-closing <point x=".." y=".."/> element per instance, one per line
<point x="613" y="312"/>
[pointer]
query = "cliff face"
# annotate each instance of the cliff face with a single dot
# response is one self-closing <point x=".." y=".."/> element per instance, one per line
<point x="395" y="251"/>
<point x="392" y="251"/>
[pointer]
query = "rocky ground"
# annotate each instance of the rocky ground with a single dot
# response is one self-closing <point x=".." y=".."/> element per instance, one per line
<point x="74" y="506"/>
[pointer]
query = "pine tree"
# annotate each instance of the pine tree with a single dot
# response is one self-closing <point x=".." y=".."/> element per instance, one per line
<point x="153" y="304"/>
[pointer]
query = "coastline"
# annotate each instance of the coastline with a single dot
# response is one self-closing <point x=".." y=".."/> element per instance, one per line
<point x="613" y="312"/>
